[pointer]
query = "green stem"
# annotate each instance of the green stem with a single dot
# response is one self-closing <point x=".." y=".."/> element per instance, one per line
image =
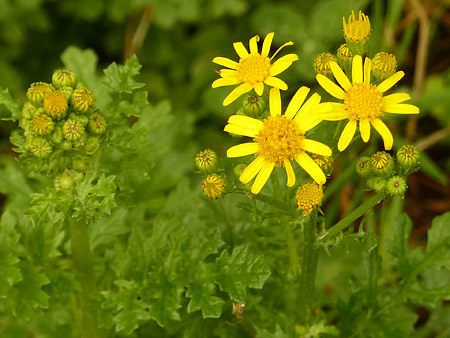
<point x="308" y="272"/>
<point x="84" y="268"/>
<point x="353" y="216"/>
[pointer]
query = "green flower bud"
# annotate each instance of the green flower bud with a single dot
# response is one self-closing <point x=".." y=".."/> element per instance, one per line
<point x="238" y="170"/>
<point x="38" y="91"/>
<point x="383" y="66"/>
<point x="254" y="106"/>
<point x="206" y="161"/>
<point x="66" y="91"/>
<point x="97" y="123"/>
<point x="322" y="64"/>
<point x="92" y="144"/>
<point x="66" y="145"/>
<point x="376" y="183"/>
<point x="382" y="163"/>
<point x="408" y="157"/>
<point x="61" y="78"/>
<point x="82" y="118"/>
<point x="345" y="58"/>
<point x="40" y="147"/>
<point x="73" y="129"/>
<point x="80" y="164"/>
<point x="42" y="124"/>
<point x="28" y="110"/>
<point x="213" y="186"/>
<point x="396" y="186"/>
<point x="55" y="105"/>
<point x="82" y="100"/>
<point x="64" y="182"/>
<point x="363" y="167"/>
<point x="57" y="136"/>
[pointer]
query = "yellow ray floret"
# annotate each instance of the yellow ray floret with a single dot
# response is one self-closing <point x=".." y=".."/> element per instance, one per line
<point x="254" y="69"/>
<point x="363" y="103"/>
<point x="280" y="138"/>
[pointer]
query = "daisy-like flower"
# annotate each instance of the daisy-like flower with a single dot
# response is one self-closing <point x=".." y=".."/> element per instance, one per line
<point x="280" y="138"/>
<point x="254" y="69"/>
<point x="363" y="102"/>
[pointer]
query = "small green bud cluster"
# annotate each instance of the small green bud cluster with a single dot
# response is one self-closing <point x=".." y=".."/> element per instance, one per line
<point x="60" y="121"/>
<point x="254" y="106"/>
<point x="385" y="173"/>
<point x="214" y="184"/>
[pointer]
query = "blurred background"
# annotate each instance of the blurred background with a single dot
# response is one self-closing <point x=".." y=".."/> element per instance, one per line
<point x="175" y="41"/>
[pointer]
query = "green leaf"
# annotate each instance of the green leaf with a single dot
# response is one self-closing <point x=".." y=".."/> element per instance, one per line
<point x="106" y="230"/>
<point x="11" y="104"/>
<point x="202" y="299"/>
<point x="120" y="78"/>
<point x="239" y="271"/>
<point x="439" y="237"/>
<point x="9" y="273"/>
<point x="84" y="64"/>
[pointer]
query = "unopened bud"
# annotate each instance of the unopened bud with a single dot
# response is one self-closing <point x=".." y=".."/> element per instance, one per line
<point x="73" y="129"/>
<point x="345" y="58"/>
<point x="82" y="100"/>
<point x="382" y="163"/>
<point x="55" y="105"/>
<point x="322" y="64"/>
<point x="61" y="78"/>
<point x="97" y="123"/>
<point x="42" y="124"/>
<point x="213" y="186"/>
<point x="40" y="147"/>
<point x="38" y="91"/>
<point x="206" y="161"/>
<point x="363" y="167"/>
<point x="408" y="157"/>
<point x="28" y="110"/>
<point x="376" y="183"/>
<point x="254" y="106"/>
<point x="383" y="66"/>
<point x="396" y="186"/>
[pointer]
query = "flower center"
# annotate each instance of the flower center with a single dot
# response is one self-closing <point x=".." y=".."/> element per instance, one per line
<point x="213" y="186"/>
<point x="308" y="197"/>
<point x="357" y="29"/>
<point x="279" y="140"/>
<point x="385" y="63"/>
<point x="253" y="69"/>
<point x="363" y="101"/>
<point x="55" y="104"/>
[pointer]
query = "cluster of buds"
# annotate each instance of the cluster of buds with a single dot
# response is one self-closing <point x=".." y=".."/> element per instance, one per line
<point x="60" y="122"/>
<point x="385" y="173"/>
<point x="213" y="184"/>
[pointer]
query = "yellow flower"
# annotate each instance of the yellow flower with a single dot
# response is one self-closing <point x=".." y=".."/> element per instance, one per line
<point x="363" y="102"/>
<point x="357" y="30"/>
<point x="213" y="186"/>
<point x="308" y="197"/>
<point x="280" y="139"/>
<point x="253" y="69"/>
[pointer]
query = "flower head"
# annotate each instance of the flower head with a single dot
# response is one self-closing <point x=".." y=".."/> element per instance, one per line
<point x="254" y="69"/>
<point x="357" y="33"/>
<point x="364" y="103"/>
<point x="55" y="104"/>
<point x="279" y="139"/>
<point x="382" y="163"/>
<point x="322" y="64"/>
<point x="38" y="91"/>
<point x="206" y="161"/>
<point x="61" y="78"/>
<point x="408" y="156"/>
<point x="213" y="186"/>
<point x="82" y="99"/>
<point x="308" y="197"/>
<point x="42" y="124"/>
<point x="396" y="185"/>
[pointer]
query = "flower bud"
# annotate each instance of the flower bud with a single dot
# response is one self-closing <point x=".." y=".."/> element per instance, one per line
<point x="92" y="144"/>
<point x="357" y="33"/>
<point x="206" y="161"/>
<point x="42" y="124"/>
<point x="38" y="91"/>
<point x="322" y="64"/>
<point x="97" y="123"/>
<point x="80" y="164"/>
<point x="213" y="186"/>
<point x="383" y="66"/>
<point x="64" y="182"/>
<point x="376" y="183"/>
<point x="408" y="157"/>
<point x="55" y="104"/>
<point x="396" y="186"/>
<point x="66" y="145"/>
<point x="345" y="58"/>
<point x="28" y="110"/>
<point x="254" y="106"/>
<point x="66" y="91"/>
<point x="363" y="167"/>
<point x="73" y="129"/>
<point x="308" y="197"/>
<point x="40" y="147"/>
<point x="62" y="78"/>
<point x="238" y="170"/>
<point x="82" y="118"/>
<point x="82" y="100"/>
<point x="57" y="136"/>
<point x="382" y="163"/>
<point x="324" y="162"/>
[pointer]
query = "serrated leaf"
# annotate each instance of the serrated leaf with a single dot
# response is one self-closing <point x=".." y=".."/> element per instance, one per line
<point x="106" y="230"/>
<point x="439" y="237"/>
<point x="120" y="78"/>
<point x="239" y="271"/>
<point x="11" y="104"/>
<point x="9" y="273"/>
<point x="202" y="299"/>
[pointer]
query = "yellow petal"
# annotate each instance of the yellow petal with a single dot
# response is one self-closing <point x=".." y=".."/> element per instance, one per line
<point x="396" y="98"/>
<point x="282" y="64"/>
<point x="347" y="135"/>
<point x="259" y="88"/>
<point x="243" y="149"/>
<point x="385" y="133"/>
<point x="311" y="103"/>
<point x="225" y="81"/>
<point x="267" y="44"/>
<point x="254" y="45"/>
<point x="252" y="169"/>
<point x="316" y="147"/>
<point x="227" y="73"/>
<point x="262" y="177"/>
<point x="357" y="74"/>
<point x="296" y="102"/>
<point x="238" y="130"/>
<point x="337" y="112"/>
<point x="390" y="82"/>
<point x="332" y="88"/>
<point x="364" y="129"/>
<point x="367" y="70"/>
<point x="274" y="102"/>
<point x="340" y="76"/>
<point x="275" y="82"/>
<point x="401" y="108"/>
<point x="289" y="173"/>
<point x="225" y="62"/>
<point x="308" y="165"/>
<point x="289" y="43"/>
<point x="236" y="92"/>
<point x="245" y="121"/>
<point x="240" y="50"/>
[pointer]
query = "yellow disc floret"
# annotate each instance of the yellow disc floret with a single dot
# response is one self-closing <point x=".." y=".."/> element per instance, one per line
<point x="253" y="69"/>
<point x="279" y="140"/>
<point x="308" y="197"/>
<point x="213" y="186"/>
<point x="357" y="29"/>
<point x="55" y="104"/>
<point x="363" y="101"/>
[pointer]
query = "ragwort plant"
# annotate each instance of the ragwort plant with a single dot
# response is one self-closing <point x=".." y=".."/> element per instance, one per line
<point x="92" y="246"/>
